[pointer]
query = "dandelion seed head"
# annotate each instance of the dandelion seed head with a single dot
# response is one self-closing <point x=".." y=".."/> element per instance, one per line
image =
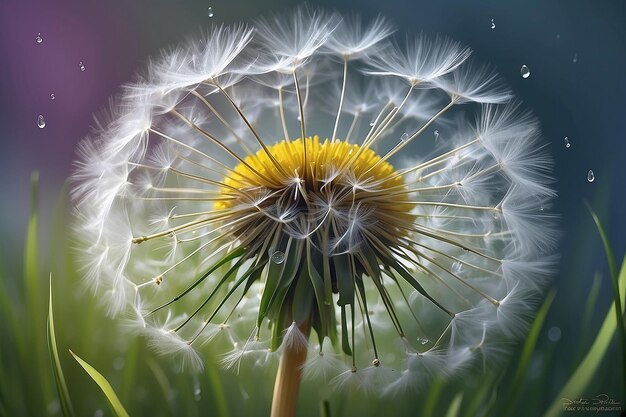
<point x="277" y="187"/>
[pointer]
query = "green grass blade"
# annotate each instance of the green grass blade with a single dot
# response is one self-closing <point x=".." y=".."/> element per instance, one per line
<point x="104" y="385"/>
<point x="584" y="373"/>
<point x="30" y="250"/>
<point x="525" y="356"/>
<point x="219" y="396"/>
<point x="621" y="332"/>
<point x="455" y="406"/>
<point x="434" y="393"/>
<point x="64" y="396"/>
<point x="590" y="304"/>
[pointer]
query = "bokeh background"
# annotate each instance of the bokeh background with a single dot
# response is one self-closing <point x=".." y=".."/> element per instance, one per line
<point x="576" y="53"/>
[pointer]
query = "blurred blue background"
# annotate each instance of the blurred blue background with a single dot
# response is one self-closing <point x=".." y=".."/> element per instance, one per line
<point x="575" y="50"/>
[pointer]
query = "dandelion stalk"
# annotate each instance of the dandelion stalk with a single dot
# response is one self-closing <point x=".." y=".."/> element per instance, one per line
<point x="288" y="378"/>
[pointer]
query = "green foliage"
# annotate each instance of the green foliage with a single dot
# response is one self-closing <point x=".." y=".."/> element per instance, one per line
<point x="104" y="385"/>
<point x="64" y="396"/>
<point x="583" y="375"/>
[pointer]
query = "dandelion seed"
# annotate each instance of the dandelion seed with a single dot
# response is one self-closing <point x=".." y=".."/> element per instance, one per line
<point x="258" y="175"/>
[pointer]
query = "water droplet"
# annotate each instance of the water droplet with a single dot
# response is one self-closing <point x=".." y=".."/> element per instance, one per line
<point x="575" y="59"/>
<point x="372" y="123"/>
<point x="422" y="340"/>
<point x="39" y="39"/>
<point x="211" y="12"/>
<point x="456" y="267"/>
<point x="591" y="176"/>
<point x="493" y="24"/>
<point x="278" y="257"/>
<point x="81" y="66"/>
<point x="566" y="140"/>
<point x="436" y="134"/>
<point x="404" y="136"/>
<point x="52" y="96"/>
<point x="554" y="334"/>
<point x="41" y="122"/>
<point x="524" y="71"/>
<point x="299" y="118"/>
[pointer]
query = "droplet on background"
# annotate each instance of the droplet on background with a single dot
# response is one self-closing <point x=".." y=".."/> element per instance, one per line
<point x="591" y="177"/>
<point x="575" y="59"/>
<point x="81" y="66"/>
<point x="436" y="134"/>
<point x="299" y="118"/>
<point x="566" y="140"/>
<point x="404" y="136"/>
<point x="52" y="96"/>
<point x="422" y="340"/>
<point x="524" y="71"/>
<point x="372" y="123"/>
<point x="39" y="39"/>
<point x="41" y="122"/>
<point x="493" y="24"/>
<point x="211" y="12"/>
<point x="278" y="257"/>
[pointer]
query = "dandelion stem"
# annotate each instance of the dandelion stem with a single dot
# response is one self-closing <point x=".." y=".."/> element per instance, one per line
<point x="288" y="377"/>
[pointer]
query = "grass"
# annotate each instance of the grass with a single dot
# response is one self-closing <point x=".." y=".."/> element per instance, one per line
<point x="44" y="379"/>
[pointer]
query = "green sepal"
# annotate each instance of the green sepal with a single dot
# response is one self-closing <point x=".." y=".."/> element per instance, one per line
<point x="278" y="279"/>
<point x="345" y="279"/>
<point x="324" y="306"/>
<point x="302" y="300"/>
<point x="345" y="340"/>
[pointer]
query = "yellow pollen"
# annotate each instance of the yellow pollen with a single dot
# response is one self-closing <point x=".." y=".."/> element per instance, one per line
<point x="323" y="161"/>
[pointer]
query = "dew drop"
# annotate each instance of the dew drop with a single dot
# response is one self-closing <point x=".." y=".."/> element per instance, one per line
<point x="456" y="267"/>
<point x="39" y="39"/>
<point x="211" y="12"/>
<point x="299" y="118"/>
<point x="524" y="71"/>
<point x="81" y="66"/>
<point x="591" y="176"/>
<point x="436" y="134"/>
<point x="566" y="140"/>
<point x="422" y="340"/>
<point x="493" y="24"/>
<point x="372" y="123"/>
<point x="575" y="59"/>
<point x="41" y="122"/>
<point x="52" y="96"/>
<point x="278" y="257"/>
<point x="404" y="136"/>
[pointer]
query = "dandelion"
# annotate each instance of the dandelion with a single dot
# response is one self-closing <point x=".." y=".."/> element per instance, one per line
<point x="276" y="190"/>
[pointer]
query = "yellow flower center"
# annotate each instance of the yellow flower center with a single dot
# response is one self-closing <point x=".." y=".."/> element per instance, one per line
<point x="327" y="164"/>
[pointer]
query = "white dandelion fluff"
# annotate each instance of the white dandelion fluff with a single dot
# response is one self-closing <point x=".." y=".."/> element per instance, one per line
<point x="277" y="188"/>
